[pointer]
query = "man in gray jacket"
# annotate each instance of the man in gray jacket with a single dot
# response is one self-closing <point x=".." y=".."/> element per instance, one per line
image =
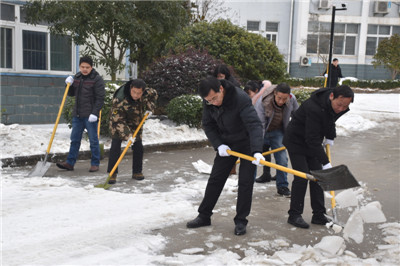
<point x="274" y="108"/>
<point x="88" y="89"/>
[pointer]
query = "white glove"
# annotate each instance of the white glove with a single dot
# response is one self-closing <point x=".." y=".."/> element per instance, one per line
<point x="222" y="150"/>
<point x="328" y="141"/>
<point x="326" y="166"/>
<point x="92" y="118"/>
<point x="258" y="157"/>
<point x="326" y="75"/>
<point x="132" y="139"/>
<point x="148" y="112"/>
<point x="69" y="80"/>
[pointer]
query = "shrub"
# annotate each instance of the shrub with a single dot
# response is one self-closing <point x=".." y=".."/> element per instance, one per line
<point x="373" y="84"/>
<point x="186" y="109"/>
<point x="179" y="74"/>
<point x="252" y="56"/>
<point x="317" y="82"/>
<point x="302" y="94"/>
<point x="105" y="111"/>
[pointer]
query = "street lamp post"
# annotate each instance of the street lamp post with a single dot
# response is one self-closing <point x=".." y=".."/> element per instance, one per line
<point x="334" y="9"/>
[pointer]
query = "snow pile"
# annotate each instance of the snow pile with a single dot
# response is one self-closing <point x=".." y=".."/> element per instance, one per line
<point x="69" y="224"/>
<point x="25" y="140"/>
<point x="202" y="167"/>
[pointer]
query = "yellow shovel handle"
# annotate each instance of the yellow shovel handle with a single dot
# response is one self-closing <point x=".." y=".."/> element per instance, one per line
<point x="98" y="126"/>
<point x="268" y="152"/>
<point x="276" y="166"/>
<point x="328" y="153"/>
<point x="58" y="118"/>
<point x="128" y="145"/>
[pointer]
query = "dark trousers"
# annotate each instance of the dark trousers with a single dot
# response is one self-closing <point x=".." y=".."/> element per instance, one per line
<point x="115" y="152"/>
<point x="304" y="164"/>
<point x="219" y="174"/>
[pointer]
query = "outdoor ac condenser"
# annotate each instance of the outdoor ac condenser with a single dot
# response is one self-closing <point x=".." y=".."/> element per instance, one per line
<point x="305" y="61"/>
<point x="381" y="7"/>
<point x="324" y="4"/>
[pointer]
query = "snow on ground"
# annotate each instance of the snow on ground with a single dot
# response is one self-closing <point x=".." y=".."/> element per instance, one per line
<point x="23" y="140"/>
<point x="53" y="221"/>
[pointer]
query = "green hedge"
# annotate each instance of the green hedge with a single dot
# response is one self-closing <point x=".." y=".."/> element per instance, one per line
<point x="318" y="82"/>
<point x="186" y="109"/>
<point x="373" y="84"/>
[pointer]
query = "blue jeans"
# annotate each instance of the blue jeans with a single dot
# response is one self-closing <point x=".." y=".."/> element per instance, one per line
<point x="273" y="140"/>
<point x="78" y="126"/>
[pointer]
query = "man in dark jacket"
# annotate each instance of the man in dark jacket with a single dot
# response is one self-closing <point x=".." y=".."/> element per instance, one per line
<point x="88" y="88"/>
<point x="304" y="140"/>
<point x="229" y="121"/>
<point x="336" y="73"/>
<point x="130" y="104"/>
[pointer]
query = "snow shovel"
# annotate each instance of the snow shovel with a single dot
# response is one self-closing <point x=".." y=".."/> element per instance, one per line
<point x="268" y="152"/>
<point x="335" y="178"/>
<point x="41" y="167"/>
<point x="106" y="185"/>
<point x="333" y="201"/>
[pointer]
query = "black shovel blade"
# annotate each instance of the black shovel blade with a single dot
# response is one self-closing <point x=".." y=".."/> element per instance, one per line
<point x="335" y="178"/>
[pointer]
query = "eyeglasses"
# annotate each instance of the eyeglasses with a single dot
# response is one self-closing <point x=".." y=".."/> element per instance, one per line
<point x="213" y="99"/>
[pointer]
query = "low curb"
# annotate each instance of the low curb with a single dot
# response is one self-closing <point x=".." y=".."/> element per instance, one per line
<point x="84" y="155"/>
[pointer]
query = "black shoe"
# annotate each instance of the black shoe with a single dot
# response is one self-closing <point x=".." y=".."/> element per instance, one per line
<point x="198" y="222"/>
<point x="264" y="178"/>
<point x="273" y="178"/>
<point x="284" y="191"/>
<point x="298" y="222"/>
<point x="113" y="179"/>
<point x="138" y="176"/>
<point x="240" y="229"/>
<point x="319" y="219"/>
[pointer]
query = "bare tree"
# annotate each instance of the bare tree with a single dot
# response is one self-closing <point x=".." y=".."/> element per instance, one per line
<point x="208" y="10"/>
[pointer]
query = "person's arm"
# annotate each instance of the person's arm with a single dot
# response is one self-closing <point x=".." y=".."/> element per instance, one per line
<point x="294" y="103"/>
<point x="254" y="128"/>
<point x="313" y="128"/>
<point x="266" y="85"/>
<point x="210" y="127"/>
<point x="150" y="99"/>
<point x="99" y="94"/>
<point x="118" y="124"/>
<point x="340" y="72"/>
<point x="260" y="112"/>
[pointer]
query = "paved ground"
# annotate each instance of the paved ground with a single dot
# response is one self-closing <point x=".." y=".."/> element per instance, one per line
<point x="372" y="156"/>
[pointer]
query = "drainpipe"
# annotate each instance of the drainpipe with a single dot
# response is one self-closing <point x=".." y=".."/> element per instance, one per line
<point x="290" y="35"/>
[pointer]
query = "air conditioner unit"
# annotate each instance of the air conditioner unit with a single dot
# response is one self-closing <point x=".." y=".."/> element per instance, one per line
<point x="381" y="7"/>
<point x="324" y="4"/>
<point x="305" y="61"/>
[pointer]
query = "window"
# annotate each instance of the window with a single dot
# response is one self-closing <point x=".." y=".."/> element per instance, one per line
<point x="344" y="39"/>
<point x="60" y="52"/>
<point x="253" y="25"/>
<point x="271" y="29"/>
<point x="6" y="48"/>
<point x="34" y="50"/>
<point x="7" y="12"/>
<point x="377" y="33"/>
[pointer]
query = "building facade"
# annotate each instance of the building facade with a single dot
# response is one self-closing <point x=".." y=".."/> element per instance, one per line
<point x="33" y="66"/>
<point x="301" y="31"/>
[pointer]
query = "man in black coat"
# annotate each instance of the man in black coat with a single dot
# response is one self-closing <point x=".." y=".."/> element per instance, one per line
<point x="88" y="89"/>
<point x="304" y="140"/>
<point x="230" y="123"/>
<point x="336" y="73"/>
